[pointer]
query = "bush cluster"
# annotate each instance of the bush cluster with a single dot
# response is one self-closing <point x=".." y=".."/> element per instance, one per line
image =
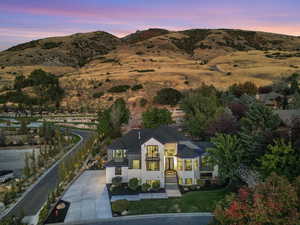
<point x="119" y="89"/>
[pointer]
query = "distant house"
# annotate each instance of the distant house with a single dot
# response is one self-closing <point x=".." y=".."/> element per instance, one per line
<point x="161" y="155"/>
<point x="6" y="175"/>
<point x="287" y="116"/>
<point x="271" y="99"/>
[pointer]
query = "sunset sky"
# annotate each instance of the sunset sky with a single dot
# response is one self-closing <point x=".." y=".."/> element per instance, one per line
<point x="25" y="20"/>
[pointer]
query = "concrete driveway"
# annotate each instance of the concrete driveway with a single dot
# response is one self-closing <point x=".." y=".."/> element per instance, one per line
<point x="89" y="198"/>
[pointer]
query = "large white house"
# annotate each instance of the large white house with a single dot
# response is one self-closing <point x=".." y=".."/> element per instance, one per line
<point x="157" y="155"/>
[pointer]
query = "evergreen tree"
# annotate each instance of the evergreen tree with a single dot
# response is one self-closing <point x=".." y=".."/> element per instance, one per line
<point x="27" y="169"/>
<point x="256" y="128"/>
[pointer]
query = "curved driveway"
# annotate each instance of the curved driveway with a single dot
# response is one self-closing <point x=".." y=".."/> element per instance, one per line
<point x="37" y="196"/>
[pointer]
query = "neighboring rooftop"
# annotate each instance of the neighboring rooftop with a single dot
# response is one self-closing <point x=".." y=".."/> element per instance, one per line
<point x="5" y="172"/>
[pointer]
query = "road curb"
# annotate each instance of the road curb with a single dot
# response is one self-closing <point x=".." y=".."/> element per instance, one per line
<point x="41" y="177"/>
<point x="137" y="217"/>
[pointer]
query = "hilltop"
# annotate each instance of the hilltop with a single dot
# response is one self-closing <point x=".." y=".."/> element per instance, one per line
<point x="90" y="64"/>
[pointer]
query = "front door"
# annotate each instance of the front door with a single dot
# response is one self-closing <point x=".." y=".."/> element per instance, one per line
<point x="169" y="164"/>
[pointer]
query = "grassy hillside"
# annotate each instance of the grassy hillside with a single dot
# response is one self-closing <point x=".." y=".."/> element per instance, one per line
<point x="89" y="65"/>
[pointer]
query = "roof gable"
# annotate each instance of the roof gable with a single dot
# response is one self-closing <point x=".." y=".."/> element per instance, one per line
<point x="133" y="140"/>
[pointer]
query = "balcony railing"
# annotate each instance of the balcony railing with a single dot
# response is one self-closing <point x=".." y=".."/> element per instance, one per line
<point x="152" y="157"/>
<point x="119" y="159"/>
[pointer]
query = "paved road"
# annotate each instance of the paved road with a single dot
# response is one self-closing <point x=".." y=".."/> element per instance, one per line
<point x="34" y="199"/>
<point x="171" y="219"/>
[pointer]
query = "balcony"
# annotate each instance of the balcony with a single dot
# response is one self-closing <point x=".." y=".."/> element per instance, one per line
<point x="120" y="159"/>
<point x="152" y="157"/>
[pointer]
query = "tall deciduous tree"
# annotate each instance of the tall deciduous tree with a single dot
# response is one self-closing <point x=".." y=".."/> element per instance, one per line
<point x="226" y="123"/>
<point x="201" y="107"/>
<point x="110" y="120"/>
<point x="156" y="117"/>
<point x="281" y="159"/>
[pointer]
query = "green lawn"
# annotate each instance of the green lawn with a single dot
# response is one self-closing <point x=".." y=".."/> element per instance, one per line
<point x="198" y="201"/>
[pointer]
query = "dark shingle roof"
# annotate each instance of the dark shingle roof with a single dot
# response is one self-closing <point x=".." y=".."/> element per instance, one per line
<point x="5" y="172"/>
<point x="186" y="152"/>
<point x="133" y="140"/>
<point x="113" y="163"/>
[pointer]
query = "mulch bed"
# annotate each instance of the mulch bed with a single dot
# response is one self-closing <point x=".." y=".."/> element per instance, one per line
<point x="125" y="190"/>
<point x="58" y="215"/>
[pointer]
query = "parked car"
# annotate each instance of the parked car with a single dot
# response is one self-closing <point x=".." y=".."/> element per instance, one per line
<point x="6" y="175"/>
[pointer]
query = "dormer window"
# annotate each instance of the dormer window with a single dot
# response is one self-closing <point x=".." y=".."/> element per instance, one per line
<point x="119" y="154"/>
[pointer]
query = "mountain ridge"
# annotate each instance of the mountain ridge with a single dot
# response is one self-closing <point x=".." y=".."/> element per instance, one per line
<point x="78" y="49"/>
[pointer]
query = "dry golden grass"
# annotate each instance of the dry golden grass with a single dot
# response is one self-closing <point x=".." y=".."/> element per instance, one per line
<point x="171" y="69"/>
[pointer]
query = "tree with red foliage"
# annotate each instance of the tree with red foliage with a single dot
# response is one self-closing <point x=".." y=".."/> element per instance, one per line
<point x="276" y="201"/>
<point x="265" y="89"/>
<point x="238" y="110"/>
<point x="226" y="123"/>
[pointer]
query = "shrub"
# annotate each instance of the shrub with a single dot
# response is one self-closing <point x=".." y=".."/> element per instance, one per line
<point x="143" y="102"/>
<point x="155" y="185"/>
<point x="137" y="87"/>
<point x="265" y="89"/>
<point x="117" y="181"/>
<point x="133" y="184"/>
<point x="200" y="182"/>
<point x="145" y="187"/>
<point x="168" y="96"/>
<point x="274" y="201"/>
<point x="49" y="45"/>
<point x="98" y="94"/>
<point x="119" y="89"/>
<point x="193" y="188"/>
<point x="146" y="71"/>
<point x="120" y="206"/>
<point x="248" y="88"/>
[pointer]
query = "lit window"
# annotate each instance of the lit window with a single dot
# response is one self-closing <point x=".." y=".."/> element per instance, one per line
<point x="188" y="164"/>
<point x="152" y="151"/>
<point x="196" y="164"/>
<point x="152" y="165"/>
<point x="135" y="164"/>
<point x="118" y="171"/>
<point x="180" y="181"/>
<point x="119" y="154"/>
<point x="206" y="163"/>
<point x="188" y="181"/>
<point x="151" y="182"/>
<point x="179" y="164"/>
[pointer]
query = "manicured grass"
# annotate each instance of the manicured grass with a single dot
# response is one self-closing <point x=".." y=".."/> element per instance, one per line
<point x="198" y="201"/>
